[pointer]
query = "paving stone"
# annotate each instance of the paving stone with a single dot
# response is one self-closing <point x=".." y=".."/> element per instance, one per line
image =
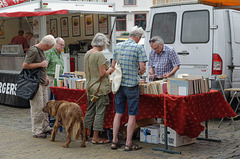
<point x="18" y="143"/>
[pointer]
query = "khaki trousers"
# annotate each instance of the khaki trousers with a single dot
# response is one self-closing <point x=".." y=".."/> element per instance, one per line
<point x="39" y="119"/>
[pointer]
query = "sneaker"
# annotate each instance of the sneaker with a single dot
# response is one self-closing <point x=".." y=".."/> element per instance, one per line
<point x="48" y="132"/>
<point x="42" y="135"/>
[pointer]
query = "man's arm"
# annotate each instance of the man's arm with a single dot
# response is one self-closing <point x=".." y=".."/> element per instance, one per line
<point x="142" y="67"/>
<point x="43" y="64"/>
<point x="151" y="71"/>
<point x="174" y="70"/>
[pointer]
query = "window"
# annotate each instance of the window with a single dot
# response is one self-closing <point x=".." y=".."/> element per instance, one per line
<point x="121" y="23"/>
<point x="129" y="2"/>
<point x="195" y="27"/>
<point x="164" y="25"/>
<point x="140" y="20"/>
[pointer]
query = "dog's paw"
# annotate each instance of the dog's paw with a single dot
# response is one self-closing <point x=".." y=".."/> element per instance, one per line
<point x="65" y="146"/>
<point x="83" y="145"/>
<point x="51" y="139"/>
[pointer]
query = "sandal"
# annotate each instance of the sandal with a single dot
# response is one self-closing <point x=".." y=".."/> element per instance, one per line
<point x="132" y="147"/>
<point x="100" y="141"/>
<point x="116" y="145"/>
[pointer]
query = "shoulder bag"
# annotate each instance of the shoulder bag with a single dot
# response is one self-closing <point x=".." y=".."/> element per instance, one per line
<point x="116" y="75"/>
<point x="28" y="82"/>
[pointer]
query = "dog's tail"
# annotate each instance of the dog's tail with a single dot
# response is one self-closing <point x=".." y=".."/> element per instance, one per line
<point x="76" y="130"/>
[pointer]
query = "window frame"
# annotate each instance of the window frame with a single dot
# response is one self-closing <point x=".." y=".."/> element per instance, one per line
<point x="141" y="19"/>
<point x="122" y="20"/>
<point x="175" y="29"/>
<point x="208" y="27"/>
<point x="129" y="4"/>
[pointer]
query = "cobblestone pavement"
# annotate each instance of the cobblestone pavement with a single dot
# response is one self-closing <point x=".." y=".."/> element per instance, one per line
<point x="18" y="143"/>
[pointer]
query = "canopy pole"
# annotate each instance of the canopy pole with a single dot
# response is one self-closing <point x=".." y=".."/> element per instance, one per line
<point x="29" y="24"/>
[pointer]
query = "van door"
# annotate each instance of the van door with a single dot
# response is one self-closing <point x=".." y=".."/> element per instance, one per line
<point x="235" y="40"/>
<point x="187" y="29"/>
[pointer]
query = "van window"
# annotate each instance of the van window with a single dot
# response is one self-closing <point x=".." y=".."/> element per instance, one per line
<point x="164" y="25"/>
<point x="195" y="27"/>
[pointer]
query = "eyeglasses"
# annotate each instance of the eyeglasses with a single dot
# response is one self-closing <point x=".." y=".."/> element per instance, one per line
<point x="156" y="48"/>
<point x="61" y="45"/>
<point x="152" y="41"/>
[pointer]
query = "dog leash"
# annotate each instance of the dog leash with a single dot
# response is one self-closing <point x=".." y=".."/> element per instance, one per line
<point x="100" y="79"/>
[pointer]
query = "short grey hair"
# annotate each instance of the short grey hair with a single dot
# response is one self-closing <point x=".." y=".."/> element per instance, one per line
<point x="136" y="31"/>
<point x="48" y="39"/>
<point x="100" y="40"/>
<point x="156" y="39"/>
<point x="58" y="39"/>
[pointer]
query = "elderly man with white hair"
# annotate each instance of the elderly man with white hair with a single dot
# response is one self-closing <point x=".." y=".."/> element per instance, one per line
<point x="35" y="58"/>
<point x="54" y="57"/>
<point x="132" y="60"/>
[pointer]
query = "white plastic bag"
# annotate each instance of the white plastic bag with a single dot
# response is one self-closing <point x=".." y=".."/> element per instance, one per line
<point x="116" y="78"/>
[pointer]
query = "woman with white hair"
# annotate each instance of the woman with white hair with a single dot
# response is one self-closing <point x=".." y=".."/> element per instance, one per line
<point x="98" y="86"/>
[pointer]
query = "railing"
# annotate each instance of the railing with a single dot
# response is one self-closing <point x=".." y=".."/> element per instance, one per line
<point x="157" y="2"/>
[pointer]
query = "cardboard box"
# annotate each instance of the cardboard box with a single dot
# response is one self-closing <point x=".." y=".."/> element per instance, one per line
<point x="174" y="139"/>
<point x="150" y="134"/>
<point x="139" y="123"/>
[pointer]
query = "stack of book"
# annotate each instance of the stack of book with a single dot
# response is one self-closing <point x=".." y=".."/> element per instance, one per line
<point x="156" y="87"/>
<point x="71" y="80"/>
<point x="188" y="85"/>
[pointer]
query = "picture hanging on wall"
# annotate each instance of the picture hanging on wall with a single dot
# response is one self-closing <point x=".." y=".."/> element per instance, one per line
<point x="64" y="27"/>
<point x="89" y="24"/>
<point x="76" y="30"/>
<point x="53" y="27"/>
<point x="103" y="23"/>
<point x="1" y="32"/>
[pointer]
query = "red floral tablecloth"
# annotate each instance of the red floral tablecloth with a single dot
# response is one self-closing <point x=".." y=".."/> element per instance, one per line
<point x="184" y="114"/>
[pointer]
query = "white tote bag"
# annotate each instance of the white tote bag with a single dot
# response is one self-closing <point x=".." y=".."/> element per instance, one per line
<point x="116" y="78"/>
<point x="116" y="75"/>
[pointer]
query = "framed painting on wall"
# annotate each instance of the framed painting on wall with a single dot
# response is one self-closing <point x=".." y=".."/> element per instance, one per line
<point x="53" y="27"/>
<point x="64" y="27"/>
<point x="88" y="24"/>
<point x="76" y="29"/>
<point x="2" y="32"/>
<point x="103" y="23"/>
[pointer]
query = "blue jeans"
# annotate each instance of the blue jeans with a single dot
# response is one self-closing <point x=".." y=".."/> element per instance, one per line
<point x="129" y="94"/>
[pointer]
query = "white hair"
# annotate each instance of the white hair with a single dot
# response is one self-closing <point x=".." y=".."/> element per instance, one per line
<point x="48" y="39"/>
<point x="156" y="39"/>
<point x="136" y="31"/>
<point x="100" y="40"/>
<point x="59" y="39"/>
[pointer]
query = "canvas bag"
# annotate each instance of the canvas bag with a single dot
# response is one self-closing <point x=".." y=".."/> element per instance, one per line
<point x="116" y="75"/>
<point x="28" y="82"/>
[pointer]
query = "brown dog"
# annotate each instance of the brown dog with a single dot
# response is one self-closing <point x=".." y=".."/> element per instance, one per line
<point x="71" y="116"/>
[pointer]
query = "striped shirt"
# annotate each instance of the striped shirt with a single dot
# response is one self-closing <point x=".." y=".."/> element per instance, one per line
<point x="131" y="54"/>
<point x="165" y="62"/>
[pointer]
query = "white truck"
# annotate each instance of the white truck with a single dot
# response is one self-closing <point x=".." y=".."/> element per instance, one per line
<point x="206" y="39"/>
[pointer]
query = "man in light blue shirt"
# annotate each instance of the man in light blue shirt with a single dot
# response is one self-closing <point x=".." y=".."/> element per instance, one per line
<point x="132" y="59"/>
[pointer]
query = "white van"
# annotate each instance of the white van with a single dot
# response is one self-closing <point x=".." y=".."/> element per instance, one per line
<point x="206" y="39"/>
